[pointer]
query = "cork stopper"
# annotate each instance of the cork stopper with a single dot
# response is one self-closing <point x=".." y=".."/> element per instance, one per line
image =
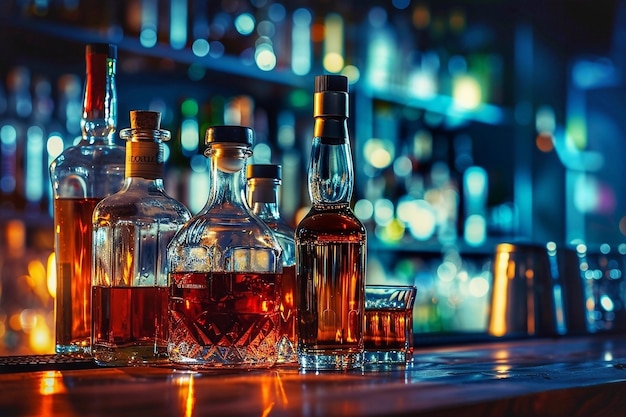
<point x="145" y="119"/>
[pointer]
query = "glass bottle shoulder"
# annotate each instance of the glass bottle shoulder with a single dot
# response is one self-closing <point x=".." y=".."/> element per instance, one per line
<point x="89" y="155"/>
<point x="340" y="224"/>
<point x="141" y="199"/>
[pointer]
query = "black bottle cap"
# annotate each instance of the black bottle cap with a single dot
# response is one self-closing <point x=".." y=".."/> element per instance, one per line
<point x="331" y="83"/>
<point x="102" y="48"/>
<point x="229" y="134"/>
<point x="271" y="171"/>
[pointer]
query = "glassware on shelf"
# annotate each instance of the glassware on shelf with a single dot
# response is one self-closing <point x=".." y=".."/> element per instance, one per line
<point x="225" y="270"/>
<point x="331" y="243"/>
<point x="81" y="176"/>
<point x="264" y="182"/>
<point x="131" y="231"/>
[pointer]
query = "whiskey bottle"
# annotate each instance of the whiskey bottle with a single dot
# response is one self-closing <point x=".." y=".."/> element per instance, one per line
<point x="81" y="176"/>
<point x="225" y="269"/>
<point x="131" y="231"/>
<point x="263" y="192"/>
<point x="331" y="243"/>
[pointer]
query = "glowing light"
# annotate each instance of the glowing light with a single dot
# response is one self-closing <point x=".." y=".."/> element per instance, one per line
<point x="544" y="142"/>
<point x="379" y="153"/>
<point x="301" y="42"/>
<point x="545" y="119"/>
<point x="593" y="197"/>
<point x="54" y="146"/>
<point x="8" y="146"/>
<point x="478" y="287"/>
<point x="421" y="16"/>
<point x="262" y="153"/>
<point x="189" y="136"/>
<point x="475" y="230"/>
<point x="40" y="337"/>
<point x="607" y="303"/>
<point x="333" y="43"/>
<point x="266" y="29"/>
<point x="402" y="166"/>
<point x="52" y="383"/>
<point x="383" y="211"/>
<point x="333" y="62"/>
<point x="475" y="180"/>
<point x="52" y="275"/>
<point x="216" y="49"/>
<point x="352" y="73"/>
<point x="364" y="209"/>
<point x="391" y="232"/>
<point x="148" y="32"/>
<point x="178" y="23"/>
<point x="198" y="191"/>
<point x="200" y="47"/>
<point x="190" y="399"/>
<point x="264" y="57"/>
<point x="401" y="4"/>
<point x="244" y="23"/>
<point x="497" y="322"/>
<point x="423" y="84"/>
<point x="34" y="170"/>
<point x="466" y="92"/>
<point x="421" y="219"/>
<point x="446" y="271"/>
<point x="277" y="12"/>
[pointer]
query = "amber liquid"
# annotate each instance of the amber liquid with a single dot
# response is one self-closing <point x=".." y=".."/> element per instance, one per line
<point x="288" y="317"/>
<point x="73" y="230"/>
<point x="331" y="254"/>
<point x="129" y="325"/>
<point x="223" y="319"/>
<point x="388" y="329"/>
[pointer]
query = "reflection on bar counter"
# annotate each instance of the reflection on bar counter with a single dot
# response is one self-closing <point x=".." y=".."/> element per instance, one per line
<point x="466" y="133"/>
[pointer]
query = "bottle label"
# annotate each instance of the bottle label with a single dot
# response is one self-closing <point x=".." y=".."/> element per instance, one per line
<point x="144" y="159"/>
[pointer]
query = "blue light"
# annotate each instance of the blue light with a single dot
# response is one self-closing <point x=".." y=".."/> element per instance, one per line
<point x="200" y="47"/>
<point x="244" y="23"/>
<point x="178" y="24"/>
<point x="277" y="12"/>
<point x="34" y="168"/>
<point x="301" y="42"/>
<point x="148" y="34"/>
<point x="216" y="49"/>
<point x="401" y="4"/>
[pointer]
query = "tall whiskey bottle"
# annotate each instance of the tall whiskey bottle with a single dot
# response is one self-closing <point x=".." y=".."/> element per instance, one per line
<point x="81" y="176"/>
<point x="331" y="243"/>
<point x="264" y="182"/>
<point x="131" y="231"/>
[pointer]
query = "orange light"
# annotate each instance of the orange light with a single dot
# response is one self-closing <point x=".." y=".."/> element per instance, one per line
<point x="497" y="323"/>
<point x="544" y="142"/>
<point x="317" y="32"/>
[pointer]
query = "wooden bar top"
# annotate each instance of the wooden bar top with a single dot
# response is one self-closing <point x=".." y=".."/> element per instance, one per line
<point x="553" y="377"/>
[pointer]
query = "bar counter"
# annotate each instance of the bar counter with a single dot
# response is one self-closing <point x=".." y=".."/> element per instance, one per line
<point x="583" y="376"/>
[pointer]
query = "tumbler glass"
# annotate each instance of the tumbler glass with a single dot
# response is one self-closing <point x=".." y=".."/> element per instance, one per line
<point x="388" y="337"/>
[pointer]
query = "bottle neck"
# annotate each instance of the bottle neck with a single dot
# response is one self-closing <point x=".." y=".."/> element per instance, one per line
<point x="99" y="119"/>
<point x="330" y="173"/>
<point x="228" y="179"/>
<point x="144" y="153"/>
<point x="263" y="197"/>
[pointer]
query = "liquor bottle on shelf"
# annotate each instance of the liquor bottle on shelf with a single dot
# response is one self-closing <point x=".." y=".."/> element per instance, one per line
<point x="131" y="231"/>
<point x="264" y="182"/>
<point x="225" y="270"/>
<point x="81" y="176"/>
<point x="331" y="243"/>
